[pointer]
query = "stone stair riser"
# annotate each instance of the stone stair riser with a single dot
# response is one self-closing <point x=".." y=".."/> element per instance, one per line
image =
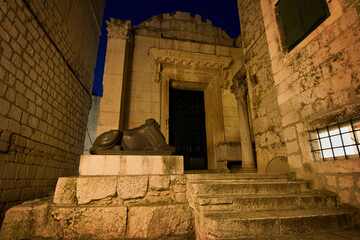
<point x="236" y="188"/>
<point x="229" y="228"/>
<point x="266" y="203"/>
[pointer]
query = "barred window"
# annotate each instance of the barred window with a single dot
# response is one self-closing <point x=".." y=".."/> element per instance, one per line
<point x="338" y="141"/>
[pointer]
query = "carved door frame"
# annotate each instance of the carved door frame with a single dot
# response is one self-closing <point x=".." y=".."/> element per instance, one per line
<point x="193" y="71"/>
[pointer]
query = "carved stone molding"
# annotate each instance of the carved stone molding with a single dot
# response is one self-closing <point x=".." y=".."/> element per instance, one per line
<point x="118" y="28"/>
<point x="189" y="58"/>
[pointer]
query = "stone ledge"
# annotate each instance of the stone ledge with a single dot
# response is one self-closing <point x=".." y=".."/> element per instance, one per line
<point x="41" y="219"/>
<point x="100" y="165"/>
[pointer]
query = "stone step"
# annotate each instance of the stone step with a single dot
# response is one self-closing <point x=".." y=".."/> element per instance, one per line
<point x="266" y="202"/>
<point x="234" y="176"/>
<point x="247" y="187"/>
<point x="237" y="225"/>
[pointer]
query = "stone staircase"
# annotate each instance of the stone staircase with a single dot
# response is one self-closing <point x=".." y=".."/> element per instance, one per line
<point x="255" y="206"/>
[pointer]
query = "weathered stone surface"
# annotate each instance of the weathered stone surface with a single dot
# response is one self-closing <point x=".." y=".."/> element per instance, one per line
<point x="65" y="192"/>
<point x="90" y="222"/>
<point x="95" y="188"/>
<point x="346" y="181"/>
<point x="159" y="182"/>
<point x="132" y="187"/>
<point x="159" y="220"/>
<point x="17" y="223"/>
<point x="94" y="165"/>
<point x="41" y="219"/>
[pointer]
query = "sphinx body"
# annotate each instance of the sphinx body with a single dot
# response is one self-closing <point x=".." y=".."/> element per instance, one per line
<point x="146" y="139"/>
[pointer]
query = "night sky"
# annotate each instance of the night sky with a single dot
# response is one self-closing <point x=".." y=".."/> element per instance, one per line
<point x="222" y="13"/>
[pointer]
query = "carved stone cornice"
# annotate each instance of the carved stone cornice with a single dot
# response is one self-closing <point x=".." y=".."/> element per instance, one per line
<point x="118" y="29"/>
<point x="176" y="57"/>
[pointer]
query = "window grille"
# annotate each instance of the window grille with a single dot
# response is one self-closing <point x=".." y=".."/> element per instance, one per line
<point x="300" y="17"/>
<point x="338" y="141"/>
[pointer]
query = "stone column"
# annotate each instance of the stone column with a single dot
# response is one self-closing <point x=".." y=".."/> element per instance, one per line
<point x="114" y="81"/>
<point x="239" y="88"/>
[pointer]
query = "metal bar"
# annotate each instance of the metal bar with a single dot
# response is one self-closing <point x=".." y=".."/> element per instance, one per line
<point x="322" y="153"/>
<point x="353" y="132"/>
<point x="342" y="140"/>
<point x="332" y="148"/>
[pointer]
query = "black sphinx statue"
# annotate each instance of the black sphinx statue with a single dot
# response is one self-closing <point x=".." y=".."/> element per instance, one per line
<point x="144" y="140"/>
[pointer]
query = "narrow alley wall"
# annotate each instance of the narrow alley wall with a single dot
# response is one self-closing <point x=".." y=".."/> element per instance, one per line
<point x="269" y="140"/>
<point x="47" y="58"/>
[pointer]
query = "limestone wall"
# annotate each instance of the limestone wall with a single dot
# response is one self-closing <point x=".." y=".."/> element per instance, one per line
<point x="266" y="118"/>
<point x="317" y="84"/>
<point x="47" y="58"/>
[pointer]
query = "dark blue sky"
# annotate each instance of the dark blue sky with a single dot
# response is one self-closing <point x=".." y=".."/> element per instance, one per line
<point x="222" y="13"/>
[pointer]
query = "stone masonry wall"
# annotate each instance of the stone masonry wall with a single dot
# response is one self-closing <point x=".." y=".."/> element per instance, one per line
<point x="318" y="84"/>
<point x="47" y="57"/>
<point x="269" y="140"/>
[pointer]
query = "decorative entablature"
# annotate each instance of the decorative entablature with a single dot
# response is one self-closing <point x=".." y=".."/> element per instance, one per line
<point x="189" y="58"/>
<point x="118" y="29"/>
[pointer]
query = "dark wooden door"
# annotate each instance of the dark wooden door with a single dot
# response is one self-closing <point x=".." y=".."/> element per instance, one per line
<point x="187" y="127"/>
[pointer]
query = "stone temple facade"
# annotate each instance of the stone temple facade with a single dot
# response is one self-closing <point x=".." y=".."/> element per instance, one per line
<point x="279" y="106"/>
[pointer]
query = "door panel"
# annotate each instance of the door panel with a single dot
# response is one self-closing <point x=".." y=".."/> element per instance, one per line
<point x="187" y="127"/>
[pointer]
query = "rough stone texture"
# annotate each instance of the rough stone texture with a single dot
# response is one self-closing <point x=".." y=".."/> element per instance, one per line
<point x="95" y="188"/>
<point x="132" y="187"/>
<point x="157" y="221"/>
<point x="41" y="219"/>
<point x="159" y="182"/>
<point x="46" y="77"/>
<point x="65" y="192"/>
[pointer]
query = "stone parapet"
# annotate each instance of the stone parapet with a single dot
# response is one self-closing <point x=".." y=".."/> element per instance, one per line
<point x="96" y="165"/>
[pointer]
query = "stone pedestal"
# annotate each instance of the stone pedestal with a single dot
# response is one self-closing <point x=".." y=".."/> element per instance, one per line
<point x="102" y="165"/>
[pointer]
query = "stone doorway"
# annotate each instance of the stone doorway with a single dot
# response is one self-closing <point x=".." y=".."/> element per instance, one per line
<point x="187" y="127"/>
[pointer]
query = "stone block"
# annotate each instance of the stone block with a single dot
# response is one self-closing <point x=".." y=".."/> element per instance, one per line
<point x="65" y="192"/>
<point x="228" y="151"/>
<point x="346" y="182"/>
<point x="94" y="188"/>
<point x="180" y="197"/>
<point x="159" y="182"/>
<point x="132" y="187"/>
<point x="156" y="221"/>
<point x="17" y="223"/>
<point x="91" y="165"/>
<point x="90" y="223"/>
<point x="182" y="179"/>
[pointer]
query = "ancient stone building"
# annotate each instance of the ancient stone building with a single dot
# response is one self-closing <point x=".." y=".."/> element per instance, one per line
<point x="289" y="90"/>
<point x="47" y="59"/>
<point x="283" y="97"/>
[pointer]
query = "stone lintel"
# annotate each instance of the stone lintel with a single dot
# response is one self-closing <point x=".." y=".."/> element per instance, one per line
<point x="184" y="58"/>
<point x="97" y="165"/>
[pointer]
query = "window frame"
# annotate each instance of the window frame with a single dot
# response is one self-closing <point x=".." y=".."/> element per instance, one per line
<point x="284" y="25"/>
<point x="353" y="133"/>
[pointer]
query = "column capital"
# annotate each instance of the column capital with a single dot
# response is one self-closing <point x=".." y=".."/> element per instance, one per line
<point x="118" y="28"/>
<point x="239" y="88"/>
